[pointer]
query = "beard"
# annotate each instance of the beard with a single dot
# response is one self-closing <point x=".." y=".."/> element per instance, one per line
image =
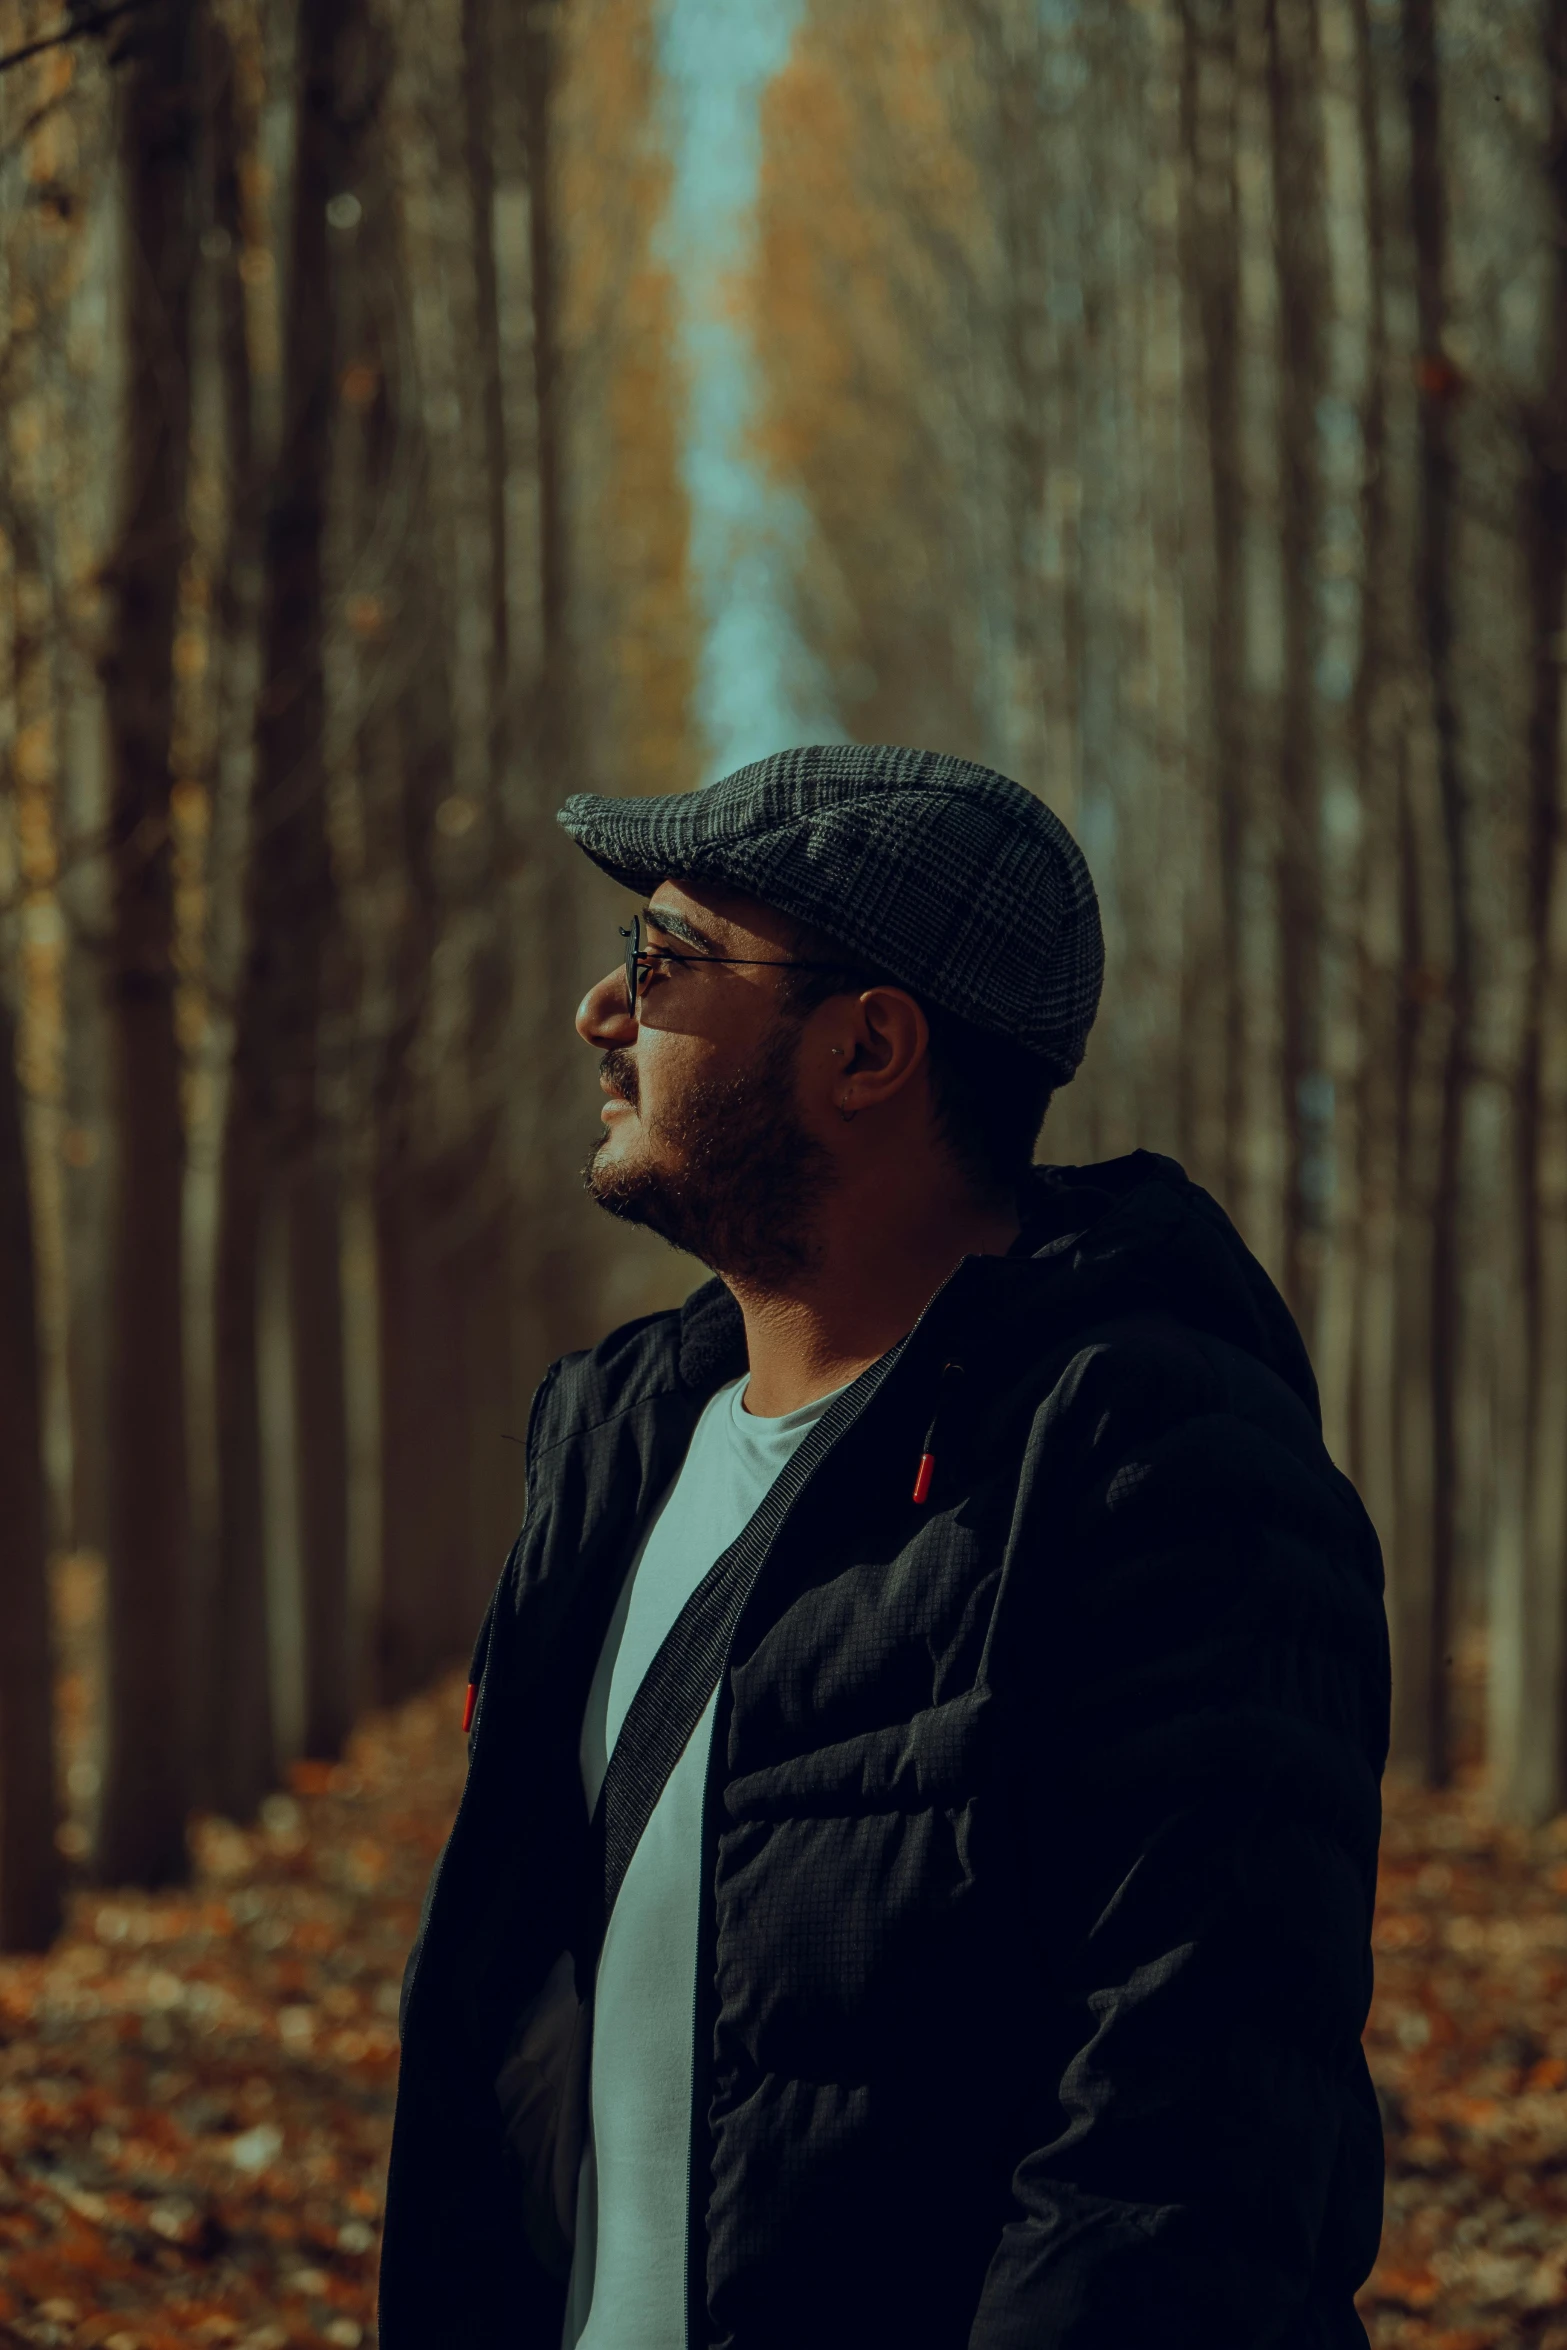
<point x="739" y="1183"/>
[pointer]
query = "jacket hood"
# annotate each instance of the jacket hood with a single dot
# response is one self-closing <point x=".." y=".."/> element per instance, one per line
<point x="1126" y="1236"/>
<point x="1139" y="1236"/>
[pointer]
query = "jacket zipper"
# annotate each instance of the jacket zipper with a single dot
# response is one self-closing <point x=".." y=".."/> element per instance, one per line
<point x="927" y="1468"/>
<point x="707" y="1917"/>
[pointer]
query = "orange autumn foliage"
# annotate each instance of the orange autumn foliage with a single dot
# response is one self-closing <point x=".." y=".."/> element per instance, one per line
<point x="196" y="2087"/>
<point x="634" y="630"/>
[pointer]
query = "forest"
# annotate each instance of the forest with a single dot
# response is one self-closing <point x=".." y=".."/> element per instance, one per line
<point x="414" y="410"/>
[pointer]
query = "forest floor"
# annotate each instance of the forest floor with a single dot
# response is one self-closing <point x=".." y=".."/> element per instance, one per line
<point x="196" y="2088"/>
<point x="1468" y="2047"/>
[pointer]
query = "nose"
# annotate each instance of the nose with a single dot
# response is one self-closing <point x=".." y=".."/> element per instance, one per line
<point x="602" y="1017"/>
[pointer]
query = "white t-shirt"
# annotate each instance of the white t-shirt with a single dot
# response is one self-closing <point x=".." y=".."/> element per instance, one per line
<point x="628" y="2275"/>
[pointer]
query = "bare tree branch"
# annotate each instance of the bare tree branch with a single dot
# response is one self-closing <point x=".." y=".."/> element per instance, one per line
<point x="99" y="21"/>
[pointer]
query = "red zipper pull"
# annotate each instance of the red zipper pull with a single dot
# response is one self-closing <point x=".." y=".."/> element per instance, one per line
<point x="468" y="1704"/>
<point x="927" y="1467"/>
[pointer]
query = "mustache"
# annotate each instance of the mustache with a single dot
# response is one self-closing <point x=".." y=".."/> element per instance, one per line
<point x="619" y="1070"/>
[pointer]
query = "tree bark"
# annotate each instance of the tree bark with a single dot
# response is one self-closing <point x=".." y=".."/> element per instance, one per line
<point x="1297" y="182"/>
<point x="142" y="1822"/>
<point x="29" y="1858"/>
<point x="292" y="807"/>
<point x="228" y="1627"/>
<point x="1214" y="1029"/>
<point x="479" y="63"/>
<point x="1419" y="1582"/>
<point x="1389" y="703"/>
<point x="497" y="1414"/>
<point x="486" y="1267"/>
<point x="1437" y="993"/>
<point x="243" y="1747"/>
<point x="237" y="1756"/>
<point x="279" y="1147"/>
<point x="321" y="1445"/>
<point x="425" y="1434"/>
<point x="558" y="875"/>
<point x="1529" y="1620"/>
<point x="88" y="1191"/>
<point x="1343" y="687"/>
<point x="1265" y="1149"/>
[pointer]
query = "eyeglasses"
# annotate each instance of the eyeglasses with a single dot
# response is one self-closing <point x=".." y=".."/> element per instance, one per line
<point x="639" y="957"/>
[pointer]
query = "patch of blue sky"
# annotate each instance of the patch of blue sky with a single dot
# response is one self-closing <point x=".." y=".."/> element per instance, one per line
<point x="759" y="686"/>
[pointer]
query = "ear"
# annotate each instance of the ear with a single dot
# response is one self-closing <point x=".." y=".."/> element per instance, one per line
<point x="887" y="1045"/>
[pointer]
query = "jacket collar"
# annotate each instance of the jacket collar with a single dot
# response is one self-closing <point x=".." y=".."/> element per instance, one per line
<point x="712" y="1338"/>
<point x="1054" y="1210"/>
<point x="1130" y="1234"/>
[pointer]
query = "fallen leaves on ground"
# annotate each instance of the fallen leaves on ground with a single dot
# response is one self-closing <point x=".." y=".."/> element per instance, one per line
<point x="196" y="2087"/>
<point x="1468" y="2048"/>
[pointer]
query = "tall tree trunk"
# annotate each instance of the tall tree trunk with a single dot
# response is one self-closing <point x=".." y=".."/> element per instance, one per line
<point x="243" y="1748"/>
<point x="292" y="806"/>
<point x="455" y="1338"/>
<point x="425" y="1434"/>
<point x="479" y="62"/>
<point x="395" y="718"/>
<point x="278" y="1140"/>
<point x="1343" y="678"/>
<point x="486" y="1269"/>
<point x="1419" y="1594"/>
<point x="87" y="1197"/>
<point x="29" y="1859"/>
<point x="1216" y="975"/>
<point x="1389" y="706"/>
<point x="1529" y="1620"/>
<point x="315" y="1231"/>
<point x="1437" y="991"/>
<point x="142" y="1822"/>
<point x="497" y="1415"/>
<point x="1298" y="196"/>
<point x="229" y="1620"/>
<point x="556" y="876"/>
<point x="1266" y="1151"/>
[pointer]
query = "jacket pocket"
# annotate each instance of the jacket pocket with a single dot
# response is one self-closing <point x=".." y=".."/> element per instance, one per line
<point x="931" y="1759"/>
<point x="542" y="2091"/>
<point x="850" y="1920"/>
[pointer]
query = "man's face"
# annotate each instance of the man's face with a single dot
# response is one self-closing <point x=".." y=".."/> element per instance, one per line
<point x="705" y="1139"/>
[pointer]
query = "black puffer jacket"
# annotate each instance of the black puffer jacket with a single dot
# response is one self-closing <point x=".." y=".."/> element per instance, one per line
<point x="1041" y="1830"/>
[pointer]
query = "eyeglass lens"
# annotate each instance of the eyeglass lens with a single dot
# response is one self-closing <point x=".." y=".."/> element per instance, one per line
<point x="633" y="966"/>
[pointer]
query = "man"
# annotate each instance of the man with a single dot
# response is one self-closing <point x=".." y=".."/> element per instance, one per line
<point x="942" y="1651"/>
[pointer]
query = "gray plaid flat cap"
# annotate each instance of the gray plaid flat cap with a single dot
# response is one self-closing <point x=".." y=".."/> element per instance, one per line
<point x="941" y="874"/>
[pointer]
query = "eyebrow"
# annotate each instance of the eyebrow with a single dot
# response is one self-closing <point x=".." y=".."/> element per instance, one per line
<point x="676" y="926"/>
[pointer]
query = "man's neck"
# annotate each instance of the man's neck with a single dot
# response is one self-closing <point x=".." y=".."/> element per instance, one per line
<point x="867" y="1288"/>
